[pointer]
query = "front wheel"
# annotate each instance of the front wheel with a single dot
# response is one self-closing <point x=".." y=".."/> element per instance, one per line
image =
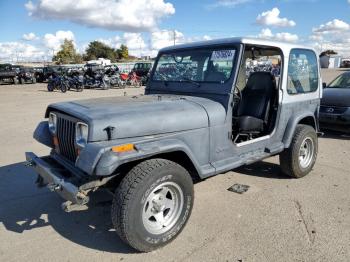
<point x="152" y="204"/>
<point x="63" y="87"/>
<point x="299" y="159"/>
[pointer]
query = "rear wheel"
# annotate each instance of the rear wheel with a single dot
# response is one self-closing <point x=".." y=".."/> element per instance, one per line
<point x="152" y="204"/>
<point x="33" y="80"/>
<point x="15" y="81"/>
<point x="22" y="81"/>
<point x="50" y="87"/>
<point x="298" y="160"/>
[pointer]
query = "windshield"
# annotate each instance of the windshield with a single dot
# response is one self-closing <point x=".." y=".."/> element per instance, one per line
<point x="199" y="65"/>
<point x="342" y="81"/>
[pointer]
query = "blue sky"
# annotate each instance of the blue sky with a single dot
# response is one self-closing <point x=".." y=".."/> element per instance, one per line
<point x="34" y="30"/>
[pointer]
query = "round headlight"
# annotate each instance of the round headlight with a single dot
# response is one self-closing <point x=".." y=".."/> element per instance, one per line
<point x="81" y="134"/>
<point x="52" y="122"/>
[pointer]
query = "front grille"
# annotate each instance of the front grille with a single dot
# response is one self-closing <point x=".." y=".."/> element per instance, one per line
<point x="333" y="110"/>
<point x="66" y="137"/>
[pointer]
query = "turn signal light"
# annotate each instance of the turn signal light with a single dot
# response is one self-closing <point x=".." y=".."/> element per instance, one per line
<point x="123" y="148"/>
<point x="55" y="140"/>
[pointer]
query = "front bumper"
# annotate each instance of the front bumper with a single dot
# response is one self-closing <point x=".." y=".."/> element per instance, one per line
<point x="54" y="176"/>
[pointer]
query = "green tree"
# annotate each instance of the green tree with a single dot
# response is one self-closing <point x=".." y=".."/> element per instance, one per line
<point x="123" y="52"/>
<point x="67" y="54"/>
<point x="97" y="49"/>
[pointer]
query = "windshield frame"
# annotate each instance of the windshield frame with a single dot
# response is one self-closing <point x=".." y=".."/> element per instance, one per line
<point x="212" y="48"/>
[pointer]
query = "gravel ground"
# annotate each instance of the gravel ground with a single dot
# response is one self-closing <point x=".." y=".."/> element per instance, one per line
<point x="278" y="219"/>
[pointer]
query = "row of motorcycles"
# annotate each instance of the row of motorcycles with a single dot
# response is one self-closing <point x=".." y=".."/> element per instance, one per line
<point x="93" y="78"/>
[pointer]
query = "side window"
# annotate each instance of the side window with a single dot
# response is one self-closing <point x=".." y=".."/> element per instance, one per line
<point x="302" y="72"/>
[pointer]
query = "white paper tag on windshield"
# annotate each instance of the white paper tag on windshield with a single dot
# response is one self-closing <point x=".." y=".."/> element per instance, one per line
<point x="223" y="55"/>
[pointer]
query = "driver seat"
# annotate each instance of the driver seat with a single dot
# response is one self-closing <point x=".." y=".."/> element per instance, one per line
<point x="257" y="96"/>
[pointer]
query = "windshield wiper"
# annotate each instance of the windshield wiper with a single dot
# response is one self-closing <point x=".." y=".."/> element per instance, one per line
<point x="188" y="80"/>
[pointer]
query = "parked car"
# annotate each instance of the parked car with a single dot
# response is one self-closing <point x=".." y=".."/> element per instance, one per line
<point x="335" y="104"/>
<point x="142" y="68"/>
<point x="25" y="74"/>
<point x="39" y="74"/>
<point x="195" y="120"/>
<point x="16" y="74"/>
<point x="8" y="74"/>
<point x="345" y="64"/>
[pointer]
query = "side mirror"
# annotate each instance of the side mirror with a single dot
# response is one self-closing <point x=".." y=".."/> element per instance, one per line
<point x="324" y="85"/>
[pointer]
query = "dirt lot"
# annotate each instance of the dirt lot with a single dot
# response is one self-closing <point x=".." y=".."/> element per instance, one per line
<point x="278" y="219"/>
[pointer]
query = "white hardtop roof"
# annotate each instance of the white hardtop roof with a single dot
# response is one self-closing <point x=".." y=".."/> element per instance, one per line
<point x="238" y="40"/>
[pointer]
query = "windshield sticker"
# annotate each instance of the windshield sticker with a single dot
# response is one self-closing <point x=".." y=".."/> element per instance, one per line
<point x="222" y="55"/>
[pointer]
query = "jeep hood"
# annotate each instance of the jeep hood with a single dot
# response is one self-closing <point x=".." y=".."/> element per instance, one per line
<point x="142" y="115"/>
<point x="336" y="97"/>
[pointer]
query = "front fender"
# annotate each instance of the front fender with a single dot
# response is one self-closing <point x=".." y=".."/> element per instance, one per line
<point x="42" y="134"/>
<point x="102" y="161"/>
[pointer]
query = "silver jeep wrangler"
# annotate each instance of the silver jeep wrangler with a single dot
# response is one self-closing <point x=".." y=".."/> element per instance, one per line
<point x="208" y="107"/>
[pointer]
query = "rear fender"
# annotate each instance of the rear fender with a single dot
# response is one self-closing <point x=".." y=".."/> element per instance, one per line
<point x="293" y="122"/>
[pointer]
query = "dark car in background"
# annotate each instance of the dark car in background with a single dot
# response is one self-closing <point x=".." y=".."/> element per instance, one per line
<point x="142" y="68"/>
<point x="8" y="74"/>
<point x="335" y="104"/>
<point x="16" y="74"/>
<point x="25" y="74"/>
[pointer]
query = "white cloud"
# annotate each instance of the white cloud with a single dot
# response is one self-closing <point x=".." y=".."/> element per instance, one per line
<point x="266" y="33"/>
<point x="334" y="35"/>
<point x="54" y="41"/>
<point x="17" y="51"/>
<point x="335" y="25"/>
<point x="141" y="44"/>
<point x="272" y="18"/>
<point x="287" y="37"/>
<point x="228" y="3"/>
<point x="163" y="38"/>
<point x="134" y="41"/>
<point x="29" y="37"/>
<point x="123" y="15"/>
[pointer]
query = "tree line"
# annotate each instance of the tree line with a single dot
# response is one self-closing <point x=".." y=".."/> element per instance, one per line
<point x="96" y="49"/>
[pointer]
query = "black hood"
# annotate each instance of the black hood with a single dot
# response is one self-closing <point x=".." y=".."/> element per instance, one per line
<point x="336" y="97"/>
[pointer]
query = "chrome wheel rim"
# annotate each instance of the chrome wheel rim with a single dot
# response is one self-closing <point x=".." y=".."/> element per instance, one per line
<point x="162" y="208"/>
<point x="306" y="152"/>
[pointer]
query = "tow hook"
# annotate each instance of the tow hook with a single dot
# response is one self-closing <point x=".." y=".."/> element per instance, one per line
<point x="68" y="206"/>
<point x="54" y="187"/>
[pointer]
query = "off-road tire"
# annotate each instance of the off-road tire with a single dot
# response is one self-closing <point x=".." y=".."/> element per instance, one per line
<point x="289" y="158"/>
<point x="22" y="81"/>
<point x="15" y="81"/>
<point x="132" y="194"/>
<point x="33" y="80"/>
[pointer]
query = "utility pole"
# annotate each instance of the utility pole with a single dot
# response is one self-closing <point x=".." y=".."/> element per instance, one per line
<point x="174" y="33"/>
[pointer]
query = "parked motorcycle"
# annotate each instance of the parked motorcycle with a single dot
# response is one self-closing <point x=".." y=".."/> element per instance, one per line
<point x="97" y="80"/>
<point x="75" y="82"/>
<point x="134" y="80"/>
<point x="57" y="82"/>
